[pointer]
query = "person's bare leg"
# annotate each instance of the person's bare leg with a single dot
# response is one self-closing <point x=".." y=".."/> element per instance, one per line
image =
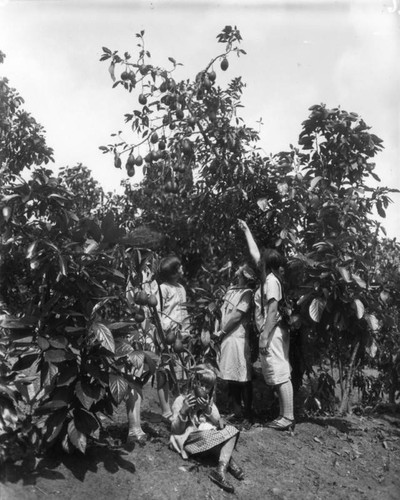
<point x="133" y="406"/>
<point x="226" y="450"/>
<point x="163" y="394"/>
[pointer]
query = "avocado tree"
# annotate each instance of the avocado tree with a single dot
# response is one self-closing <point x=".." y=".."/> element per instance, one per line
<point x="64" y="319"/>
<point x="339" y="238"/>
<point x="202" y="169"/>
<point x="198" y="157"/>
<point x="386" y="345"/>
<point x="63" y="282"/>
<point x="22" y="141"/>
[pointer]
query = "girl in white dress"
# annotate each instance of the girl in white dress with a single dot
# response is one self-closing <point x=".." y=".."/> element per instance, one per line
<point x="172" y="309"/>
<point x="274" y="337"/>
<point x="235" y="358"/>
<point x="174" y="317"/>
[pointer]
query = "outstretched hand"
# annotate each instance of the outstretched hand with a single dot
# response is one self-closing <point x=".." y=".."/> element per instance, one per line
<point x="243" y="225"/>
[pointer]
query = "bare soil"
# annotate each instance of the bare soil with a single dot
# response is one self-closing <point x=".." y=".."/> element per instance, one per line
<point x="357" y="457"/>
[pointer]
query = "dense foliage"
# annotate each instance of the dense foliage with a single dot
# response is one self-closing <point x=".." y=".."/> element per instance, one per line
<point x="22" y="141"/>
<point x="73" y="339"/>
<point x="203" y="169"/>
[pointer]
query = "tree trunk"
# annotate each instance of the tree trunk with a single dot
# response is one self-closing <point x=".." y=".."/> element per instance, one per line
<point x="344" y="405"/>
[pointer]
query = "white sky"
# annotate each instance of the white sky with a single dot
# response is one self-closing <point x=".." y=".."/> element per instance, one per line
<point x="299" y="53"/>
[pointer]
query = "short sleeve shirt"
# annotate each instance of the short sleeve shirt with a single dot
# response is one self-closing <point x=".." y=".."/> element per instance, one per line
<point x="174" y="312"/>
<point x="273" y="290"/>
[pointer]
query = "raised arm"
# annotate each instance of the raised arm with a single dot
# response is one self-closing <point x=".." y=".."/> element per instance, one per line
<point x="251" y="243"/>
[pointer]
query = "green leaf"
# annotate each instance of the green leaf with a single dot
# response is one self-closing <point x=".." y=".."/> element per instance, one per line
<point x="59" y="199"/>
<point x="85" y="394"/>
<point x="10" y="322"/>
<point x="78" y="439"/>
<point x="85" y="421"/>
<point x="119" y="325"/>
<point x="67" y="375"/>
<point x="21" y="336"/>
<point x="380" y="209"/>
<point x="54" y="424"/>
<point x="25" y="362"/>
<point x="57" y="355"/>
<point x="137" y="359"/>
<point x="360" y="282"/>
<point x="54" y="404"/>
<point x="345" y="273"/>
<point x="74" y="329"/>
<point x="98" y="306"/>
<point x="66" y="444"/>
<point x="384" y="296"/>
<point x="58" y="342"/>
<point x="152" y="360"/>
<point x="314" y="182"/>
<point x="263" y="204"/>
<point x="316" y="309"/>
<point x="372" y="349"/>
<point x="7" y="198"/>
<point x="104" y="336"/>
<point x="31" y="250"/>
<point x="48" y="374"/>
<point x="63" y="266"/>
<point x="123" y="348"/>
<point x="94" y="230"/>
<point x="111" y="70"/>
<point x="43" y="343"/>
<point x="118" y="387"/>
<point x="303" y="299"/>
<point x="359" y="307"/>
<point x="372" y="321"/>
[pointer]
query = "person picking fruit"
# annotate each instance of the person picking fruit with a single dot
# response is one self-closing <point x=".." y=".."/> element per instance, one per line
<point x="274" y="338"/>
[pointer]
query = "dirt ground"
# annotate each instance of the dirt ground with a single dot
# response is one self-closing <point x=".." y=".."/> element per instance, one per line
<point x="325" y="458"/>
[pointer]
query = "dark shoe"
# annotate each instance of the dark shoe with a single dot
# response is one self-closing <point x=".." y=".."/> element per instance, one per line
<point x="236" y="471"/>
<point x="220" y="480"/>
<point x="234" y="420"/>
<point x="133" y="440"/>
<point x="282" y="424"/>
<point x="246" y="424"/>
<point x="166" y="420"/>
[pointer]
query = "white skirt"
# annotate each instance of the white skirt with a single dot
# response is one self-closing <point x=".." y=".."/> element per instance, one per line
<point x="235" y="360"/>
<point x="275" y="365"/>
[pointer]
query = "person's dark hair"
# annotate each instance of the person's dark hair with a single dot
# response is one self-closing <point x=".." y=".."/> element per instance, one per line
<point x="250" y="274"/>
<point x="272" y="260"/>
<point x="168" y="267"/>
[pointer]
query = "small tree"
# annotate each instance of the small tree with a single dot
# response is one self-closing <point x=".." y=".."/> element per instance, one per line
<point x="63" y="280"/>
<point x="386" y="346"/>
<point x="22" y="142"/>
<point x="339" y="237"/>
<point x="68" y="275"/>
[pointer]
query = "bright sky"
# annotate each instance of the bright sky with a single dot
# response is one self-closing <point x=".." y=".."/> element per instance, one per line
<point x="299" y="53"/>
